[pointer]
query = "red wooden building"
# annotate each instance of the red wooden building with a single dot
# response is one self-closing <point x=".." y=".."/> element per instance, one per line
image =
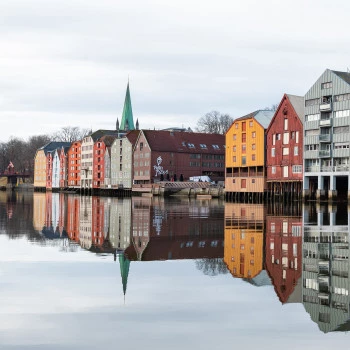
<point x="284" y="254"/>
<point x="100" y="146"/>
<point x="178" y="155"/>
<point x="284" y="143"/>
<point x="74" y="165"/>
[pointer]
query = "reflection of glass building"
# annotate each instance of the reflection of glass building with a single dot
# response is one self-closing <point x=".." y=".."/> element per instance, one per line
<point x="283" y="253"/>
<point x="326" y="266"/>
<point x="244" y="236"/>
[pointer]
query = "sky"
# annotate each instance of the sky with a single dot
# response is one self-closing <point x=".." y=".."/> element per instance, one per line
<point x="67" y="62"/>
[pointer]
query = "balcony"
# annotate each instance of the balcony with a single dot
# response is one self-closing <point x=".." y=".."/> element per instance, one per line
<point x="325" y="122"/>
<point x="324" y="153"/>
<point x="326" y="107"/>
<point x="325" y="138"/>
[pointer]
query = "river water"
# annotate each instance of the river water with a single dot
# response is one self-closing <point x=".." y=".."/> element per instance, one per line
<point x="154" y="273"/>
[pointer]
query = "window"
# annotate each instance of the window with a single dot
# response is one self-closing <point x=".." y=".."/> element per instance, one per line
<point x="215" y="146"/>
<point x="190" y="145"/>
<point x="327" y="85"/>
<point x="141" y="146"/>
<point x="340" y="114"/>
<point x="202" y="145"/>
<point x="234" y="148"/>
<point x="234" y="158"/>
<point x="286" y="138"/>
<point x="296" y="150"/>
<point x="243" y="148"/>
<point x="273" y="152"/>
<point x="343" y="97"/>
<point x="243" y="126"/>
<point x="285" y="171"/>
<point x="285" y="124"/>
<point x="244" y="160"/>
<point x="297" y="169"/>
<point x="297" y="137"/>
<point x="253" y="134"/>
<point x="243" y="183"/>
<point x="253" y="157"/>
<point x="273" y="170"/>
<point x="312" y="117"/>
<point x="251" y="124"/>
<point x="253" y="181"/>
<point x="285" y="151"/>
<point x="236" y="125"/>
<point x="278" y="137"/>
<point x="244" y="137"/>
<point x="312" y="102"/>
<point x="253" y="146"/>
<point x="234" y="136"/>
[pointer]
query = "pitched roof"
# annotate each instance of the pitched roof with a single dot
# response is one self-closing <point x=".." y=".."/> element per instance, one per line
<point x="100" y="133"/>
<point x="263" y="117"/>
<point x="186" y="142"/>
<point x="132" y="136"/>
<point x="343" y="75"/>
<point x="127" y="122"/>
<point x="298" y="105"/>
<point x="51" y="146"/>
<point x="108" y="139"/>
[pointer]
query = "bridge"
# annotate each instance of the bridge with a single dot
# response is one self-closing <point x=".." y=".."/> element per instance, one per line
<point x="11" y="178"/>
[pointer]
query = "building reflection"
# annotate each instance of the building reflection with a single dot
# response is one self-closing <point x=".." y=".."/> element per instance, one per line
<point x="326" y="266"/>
<point x="244" y="237"/>
<point x="283" y="250"/>
<point x="176" y="229"/>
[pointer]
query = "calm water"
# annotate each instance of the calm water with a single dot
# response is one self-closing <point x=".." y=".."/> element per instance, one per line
<point x="91" y="273"/>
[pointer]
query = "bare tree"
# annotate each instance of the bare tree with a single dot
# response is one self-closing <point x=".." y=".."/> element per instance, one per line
<point x="211" y="267"/>
<point x="70" y="134"/>
<point x="273" y="107"/>
<point x="214" y="123"/>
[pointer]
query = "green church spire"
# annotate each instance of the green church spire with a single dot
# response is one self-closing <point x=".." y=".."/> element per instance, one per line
<point x="124" y="270"/>
<point x="127" y="122"/>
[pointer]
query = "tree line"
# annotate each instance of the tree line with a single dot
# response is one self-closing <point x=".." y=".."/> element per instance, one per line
<point x="22" y="152"/>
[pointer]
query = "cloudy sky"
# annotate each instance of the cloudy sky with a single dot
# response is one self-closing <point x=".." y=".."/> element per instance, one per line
<point x="68" y="62"/>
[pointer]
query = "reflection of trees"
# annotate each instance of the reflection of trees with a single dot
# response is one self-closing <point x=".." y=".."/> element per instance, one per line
<point x="212" y="267"/>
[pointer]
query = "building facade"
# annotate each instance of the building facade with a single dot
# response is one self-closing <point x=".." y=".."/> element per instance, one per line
<point x="284" y="146"/>
<point x="327" y="136"/>
<point x="246" y="154"/>
<point x="170" y="155"/>
<point x="74" y="164"/>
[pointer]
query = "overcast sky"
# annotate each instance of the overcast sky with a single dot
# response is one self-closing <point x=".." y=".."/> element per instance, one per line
<point x="67" y="62"/>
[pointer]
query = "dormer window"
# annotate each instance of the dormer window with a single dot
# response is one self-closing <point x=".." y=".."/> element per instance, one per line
<point x="203" y="145"/>
<point x="216" y="147"/>
<point x="190" y="145"/>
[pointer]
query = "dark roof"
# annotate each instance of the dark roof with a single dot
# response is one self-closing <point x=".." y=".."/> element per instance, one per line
<point x="132" y="136"/>
<point x="343" y="75"/>
<point x="186" y="142"/>
<point x="51" y="146"/>
<point x="108" y="139"/>
<point x="100" y="133"/>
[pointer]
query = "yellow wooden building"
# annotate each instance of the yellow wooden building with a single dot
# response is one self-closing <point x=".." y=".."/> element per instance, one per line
<point x="244" y="239"/>
<point x="245" y="153"/>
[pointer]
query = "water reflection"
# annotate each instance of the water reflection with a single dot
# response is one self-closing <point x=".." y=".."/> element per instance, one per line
<point x="301" y="252"/>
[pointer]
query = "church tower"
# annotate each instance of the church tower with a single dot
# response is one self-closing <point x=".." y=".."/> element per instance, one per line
<point x="127" y="122"/>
